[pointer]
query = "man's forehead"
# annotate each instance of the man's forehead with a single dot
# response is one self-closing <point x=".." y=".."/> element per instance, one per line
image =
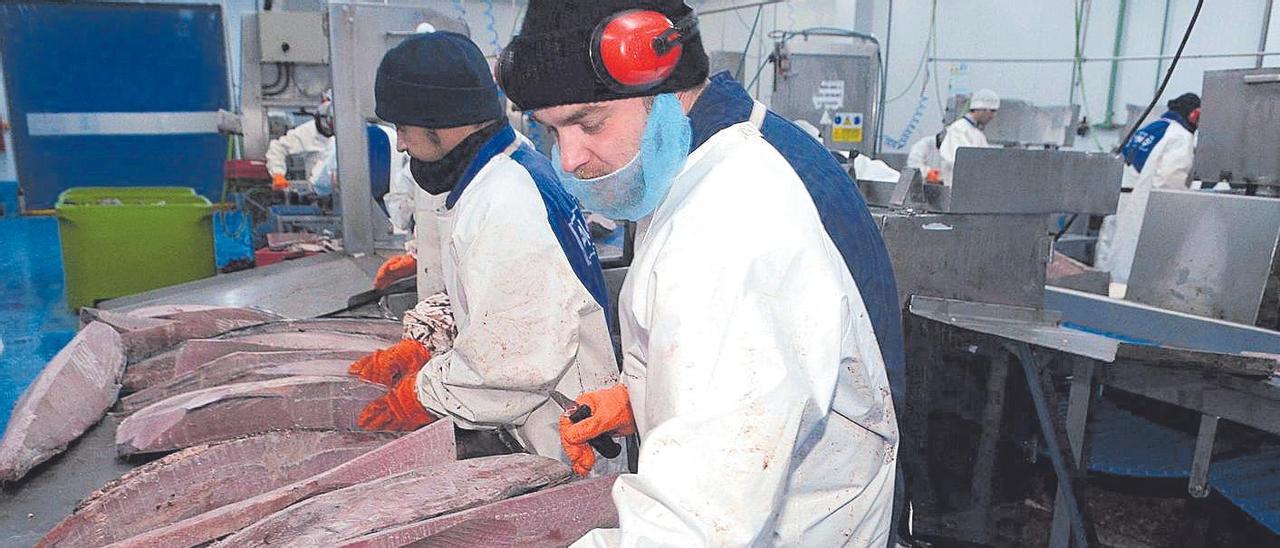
<point x="566" y="115"/>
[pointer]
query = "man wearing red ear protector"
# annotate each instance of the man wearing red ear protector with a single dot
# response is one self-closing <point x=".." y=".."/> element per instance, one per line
<point x="760" y="320"/>
<point x="1159" y="156"/>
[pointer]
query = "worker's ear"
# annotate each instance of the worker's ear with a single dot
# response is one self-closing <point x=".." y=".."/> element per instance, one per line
<point x="1194" y="118"/>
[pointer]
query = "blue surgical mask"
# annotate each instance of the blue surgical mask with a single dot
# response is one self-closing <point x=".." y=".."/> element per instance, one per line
<point x="634" y="191"/>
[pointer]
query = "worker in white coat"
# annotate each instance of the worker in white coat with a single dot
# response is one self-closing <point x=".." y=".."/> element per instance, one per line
<point x="760" y="309"/>
<point x="1159" y="156"/>
<point x="967" y="131"/>
<point x="309" y="140"/>
<point x="925" y="157"/>
<point x="524" y="287"/>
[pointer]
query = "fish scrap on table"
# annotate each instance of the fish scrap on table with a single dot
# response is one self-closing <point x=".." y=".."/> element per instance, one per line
<point x="403" y="498"/>
<point x="243" y="367"/>
<point x="70" y="395"/>
<point x="423" y="448"/>
<point x="261" y="412"/>
<point x="201" y="478"/>
<point x="225" y="412"/>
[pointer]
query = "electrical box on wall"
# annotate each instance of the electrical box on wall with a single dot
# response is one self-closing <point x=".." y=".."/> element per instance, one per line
<point x="293" y="37"/>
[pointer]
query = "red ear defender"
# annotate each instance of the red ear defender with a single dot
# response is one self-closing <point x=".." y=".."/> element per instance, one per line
<point x="637" y="50"/>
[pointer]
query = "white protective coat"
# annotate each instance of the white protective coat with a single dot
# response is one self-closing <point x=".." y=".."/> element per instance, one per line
<point x="961" y="133"/>
<point x="526" y="324"/>
<point x="1167" y="168"/>
<point x="304" y="139"/>
<point x="758" y="387"/>
<point x="399" y="196"/>
<point x="400" y="199"/>
<point x="924" y="155"/>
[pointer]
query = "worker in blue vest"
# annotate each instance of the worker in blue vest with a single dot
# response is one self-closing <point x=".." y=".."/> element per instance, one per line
<point x="1159" y="156"/>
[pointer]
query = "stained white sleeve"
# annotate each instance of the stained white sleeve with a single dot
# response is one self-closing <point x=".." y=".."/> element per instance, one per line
<point x="524" y="306"/>
<point x="278" y="151"/>
<point x="918" y="153"/>
<point x="742" y="368"/>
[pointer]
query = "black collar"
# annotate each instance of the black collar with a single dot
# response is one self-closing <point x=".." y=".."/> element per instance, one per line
<point x="441" y="176"/>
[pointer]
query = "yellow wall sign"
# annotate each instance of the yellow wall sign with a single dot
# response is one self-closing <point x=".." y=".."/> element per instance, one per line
<point x="846" y="127"/>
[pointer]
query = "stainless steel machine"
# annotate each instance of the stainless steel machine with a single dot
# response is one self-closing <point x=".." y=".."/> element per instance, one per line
<point x="1239" y="135"/>
<point x="986" y="237"/>
<point x="988" y="344"/>
<point x="1023" y="124"/>
<point x="830" y="79"/>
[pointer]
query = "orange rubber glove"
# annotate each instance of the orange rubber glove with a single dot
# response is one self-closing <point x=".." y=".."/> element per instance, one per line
<point x="610" y="414"/>
<point x="933" y="176"/>
<point x="388" y="366"/>
<point x="398" y="410"/>
<point x="278" y="182"/>
<point x="395" y="269"/>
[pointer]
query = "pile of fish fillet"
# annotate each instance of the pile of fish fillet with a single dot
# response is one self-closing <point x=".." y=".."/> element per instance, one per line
<point x="255" y="416"/>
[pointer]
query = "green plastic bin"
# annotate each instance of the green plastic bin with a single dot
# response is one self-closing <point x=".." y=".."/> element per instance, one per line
<point x="126" y="240"/>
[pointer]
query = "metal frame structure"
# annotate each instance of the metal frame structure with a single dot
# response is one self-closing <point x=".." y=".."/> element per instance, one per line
<point x="1237" y="388"/>
<point x="359" y="34"/>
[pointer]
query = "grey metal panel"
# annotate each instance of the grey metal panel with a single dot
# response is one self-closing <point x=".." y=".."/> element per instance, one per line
<point x="1132" y="112"/>
<point x="293" y="37"/>
<point x="307" y="84"/>
<point x="997" y="259"/>
<point x="854" y="63"/>
<point x="302" y="288"/>
<point x="1022" y="123"/>
<point x="1239" y="136"/>
<point x="120" y="123"/>
<point x="877" y="193"/>
<point x="359" y="35"/>
<point x="1153" y="325"/>
<point x="1020" y="324"/>
<point x="896" y="160"/>
<point x="995" y="180"/>
<point x="1205" y="253"/>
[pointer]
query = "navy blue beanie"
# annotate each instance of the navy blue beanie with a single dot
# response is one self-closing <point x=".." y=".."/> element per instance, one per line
<point x="436" y="80"/>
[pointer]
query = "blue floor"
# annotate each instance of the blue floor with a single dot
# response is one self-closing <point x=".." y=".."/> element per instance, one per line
<point x="34" y="320"/>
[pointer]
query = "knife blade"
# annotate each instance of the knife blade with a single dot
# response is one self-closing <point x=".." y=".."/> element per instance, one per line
<point x="577" y="412"/>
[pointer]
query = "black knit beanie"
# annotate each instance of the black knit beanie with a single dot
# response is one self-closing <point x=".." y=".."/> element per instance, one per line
<point x="436" y="80"/>
<point x="549" y="62"/>
<point x="1184" y="104"/>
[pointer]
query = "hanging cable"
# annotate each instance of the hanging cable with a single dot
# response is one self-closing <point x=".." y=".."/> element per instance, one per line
<point x="742" y="64"/>
<point x="491" y="24"/>
<point x="905" y="137"/>
<point x="278" y="80"/>
<point x="288" y="81"/>
<point x="937" y="76"/>
<point x="462" y="10"/>
<point x="1167" y="75"/>
<point x="760" y="70"/>
<point x="920" y="65"/>
<point x="1081" y="17"/>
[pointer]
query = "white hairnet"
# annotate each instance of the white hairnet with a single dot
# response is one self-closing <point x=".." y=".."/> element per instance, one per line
<point x="984" y="99"/>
